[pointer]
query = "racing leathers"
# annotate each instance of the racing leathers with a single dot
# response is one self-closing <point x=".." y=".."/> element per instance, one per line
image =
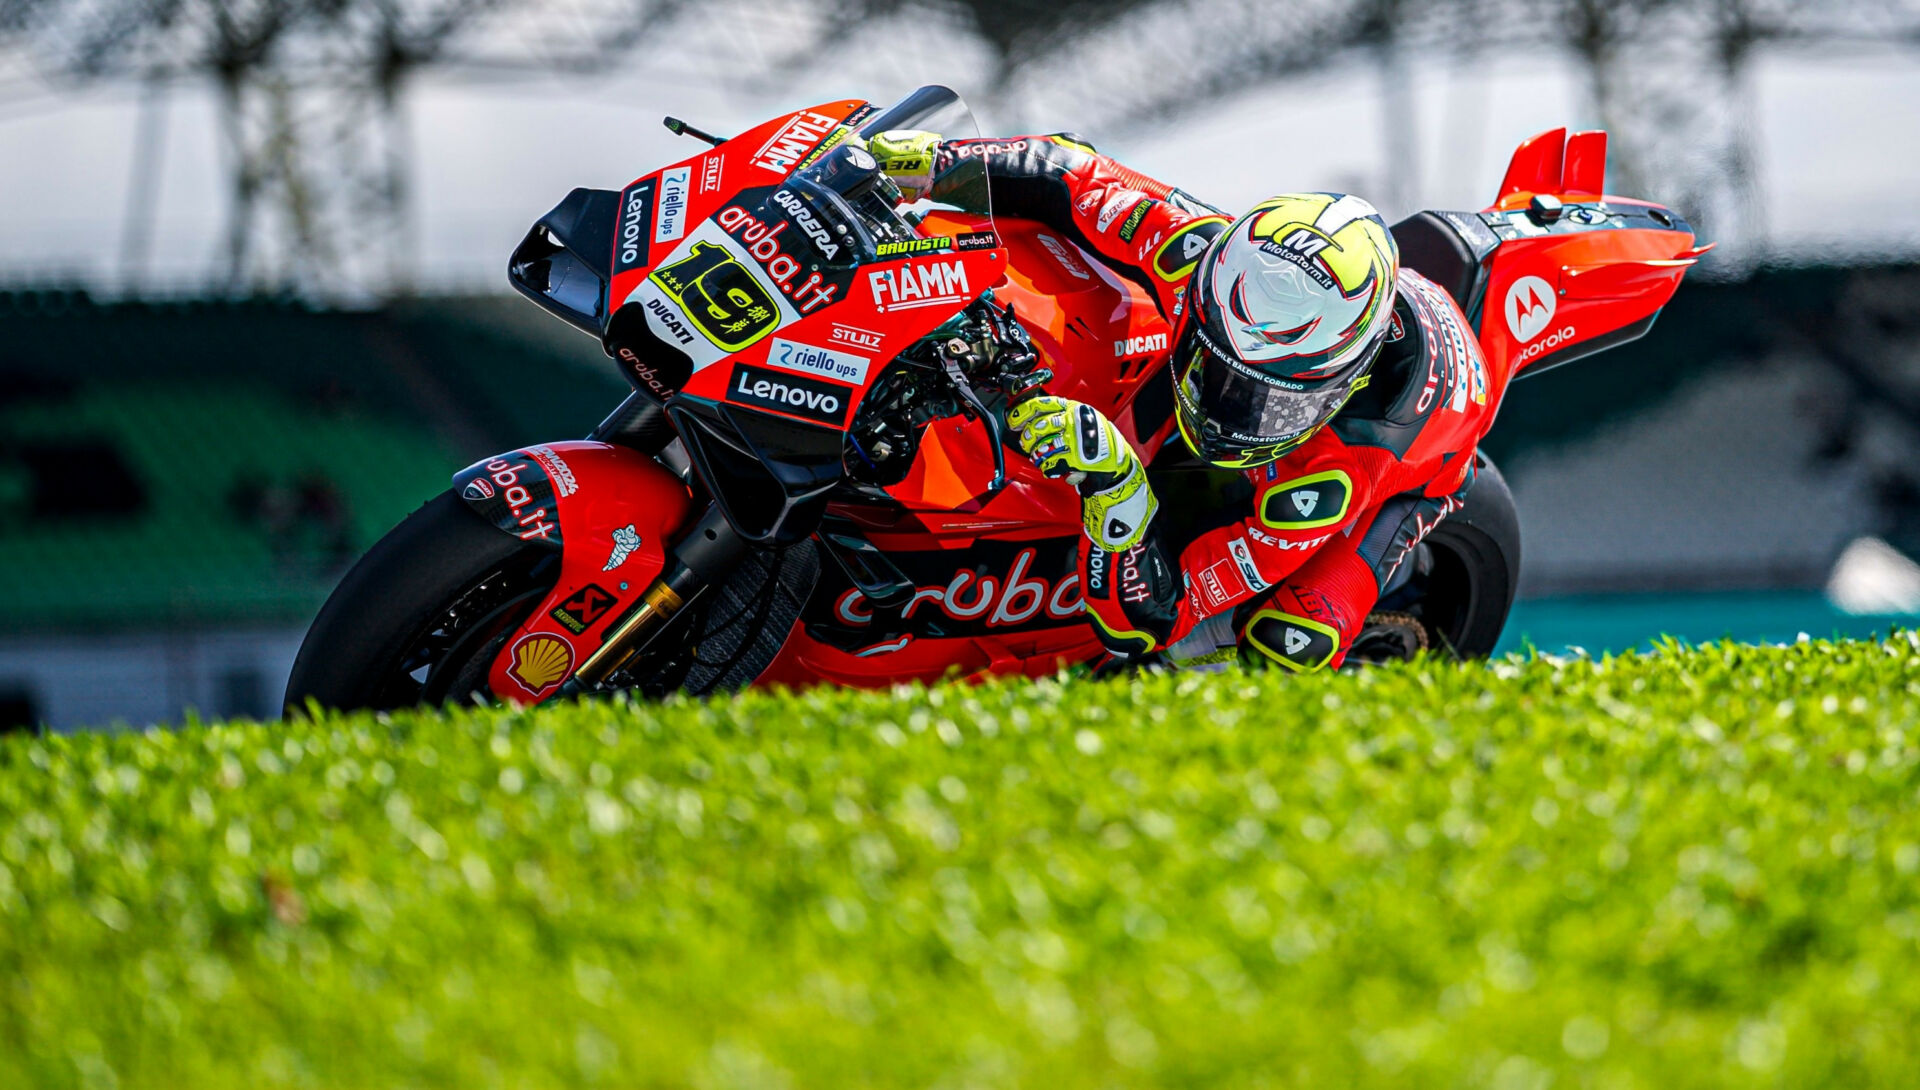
<point x="1335" y="520"/>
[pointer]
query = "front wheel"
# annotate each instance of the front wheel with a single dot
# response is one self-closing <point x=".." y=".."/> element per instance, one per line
<point x="421" y="617"/>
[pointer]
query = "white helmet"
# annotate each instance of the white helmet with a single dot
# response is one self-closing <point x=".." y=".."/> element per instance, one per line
<point x="1285" y="315"/>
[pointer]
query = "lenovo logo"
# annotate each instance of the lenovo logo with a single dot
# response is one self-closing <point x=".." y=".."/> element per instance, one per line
<point x="790" y="394"/>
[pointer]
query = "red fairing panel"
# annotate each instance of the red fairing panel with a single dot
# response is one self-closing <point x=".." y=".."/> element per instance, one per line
<point x="616" y="510"/>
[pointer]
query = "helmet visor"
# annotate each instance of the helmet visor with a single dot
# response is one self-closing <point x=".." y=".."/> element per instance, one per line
<point x="1235" y="416"/>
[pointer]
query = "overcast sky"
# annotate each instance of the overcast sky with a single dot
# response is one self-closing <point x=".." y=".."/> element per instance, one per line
<point x="1836" y="149"/>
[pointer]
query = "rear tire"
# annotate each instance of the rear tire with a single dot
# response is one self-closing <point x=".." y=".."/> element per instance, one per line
<point x="1475" y="568"/>
<point x="419" y="618"/>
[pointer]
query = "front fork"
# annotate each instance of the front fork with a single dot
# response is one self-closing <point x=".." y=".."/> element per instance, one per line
<point x="706" y="553"/>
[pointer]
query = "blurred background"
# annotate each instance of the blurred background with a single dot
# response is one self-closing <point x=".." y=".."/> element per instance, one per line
<point x="253" y="306"/>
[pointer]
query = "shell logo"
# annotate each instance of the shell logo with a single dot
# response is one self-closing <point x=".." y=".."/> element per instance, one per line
<point x="540" y="661"/>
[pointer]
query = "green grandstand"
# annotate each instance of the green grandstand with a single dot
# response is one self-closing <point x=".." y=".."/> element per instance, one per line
<point x="222" y="462"/>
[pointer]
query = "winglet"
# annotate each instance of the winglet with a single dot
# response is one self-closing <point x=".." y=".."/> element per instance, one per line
<point x="1535" y="167"/>
<point x="1583" y="172"/>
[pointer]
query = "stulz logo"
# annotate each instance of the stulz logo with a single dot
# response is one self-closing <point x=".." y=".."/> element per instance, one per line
<point x="919" y="285"/>
<point x="1530" y="306"/>
<point x="794" y="140"/>
<point x="974" y="597"/>
<point x="1133" y="346"/>
<point x="673" y="204"/>
<point x="855" y="336"/>
<point x="802" y="215"/>
<point x="710" y="169"/>
<point x="633" y="226"/>
<point x="791" y="394"/>
<point x="1554" y="340"/>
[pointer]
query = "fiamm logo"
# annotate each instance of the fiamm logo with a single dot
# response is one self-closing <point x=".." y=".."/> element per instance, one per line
<point x="909" y="286"/>
<point x="794" y="140"/>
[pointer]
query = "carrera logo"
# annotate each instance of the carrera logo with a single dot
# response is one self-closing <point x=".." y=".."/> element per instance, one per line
<point x="634" y="215"/>
<point x="1133" y="346"/>
<point x="672" y="220"/>
<point x="854" y="336"/>
<point x="932" y="284"/>
<point x="790" y="201"/>
<point x="1530" y="306"/>
<point x="790" y="394"/>
<point x="793" y="141"/>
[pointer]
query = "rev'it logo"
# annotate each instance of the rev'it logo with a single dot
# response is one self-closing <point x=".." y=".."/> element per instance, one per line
<point x="1530" y="305"/>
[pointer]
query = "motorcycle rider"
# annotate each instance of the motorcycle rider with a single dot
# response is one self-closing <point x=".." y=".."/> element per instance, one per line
<point x="1351" y="393"/>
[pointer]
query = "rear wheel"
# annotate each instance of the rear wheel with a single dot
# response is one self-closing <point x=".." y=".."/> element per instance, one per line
<point x="1469" y="568"/>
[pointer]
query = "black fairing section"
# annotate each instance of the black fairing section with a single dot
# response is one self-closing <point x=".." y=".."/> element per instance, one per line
<point x="770" y="475"/>
<point x="565" y="262"/>
<point x="1450" y="249"/>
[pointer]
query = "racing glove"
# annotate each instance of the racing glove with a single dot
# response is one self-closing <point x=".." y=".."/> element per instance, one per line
<point x="906" y="156"/>
<point x="1070" y="440"/>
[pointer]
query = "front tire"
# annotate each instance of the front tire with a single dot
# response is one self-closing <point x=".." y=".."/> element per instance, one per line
<point x="420" y="617"/>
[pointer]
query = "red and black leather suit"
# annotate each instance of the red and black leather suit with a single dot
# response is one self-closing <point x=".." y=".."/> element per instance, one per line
<point x="1334" y="520"/>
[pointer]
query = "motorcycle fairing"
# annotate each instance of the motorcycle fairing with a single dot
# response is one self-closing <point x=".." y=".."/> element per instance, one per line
<point x="609" y="512"/>
<point x="1576" y="270"/>
<point x="764" y="155"/>
<point x="752" y="315"/>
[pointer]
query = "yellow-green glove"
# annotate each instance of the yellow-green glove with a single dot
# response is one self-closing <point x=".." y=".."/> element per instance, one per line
<point x="1070" y="440"/>
<point x="906" y="156"/>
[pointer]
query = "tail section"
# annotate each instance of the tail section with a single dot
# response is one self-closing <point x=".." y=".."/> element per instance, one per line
<point x="1555" y="269"/>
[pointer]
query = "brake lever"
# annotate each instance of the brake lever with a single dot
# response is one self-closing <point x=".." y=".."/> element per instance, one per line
<point x="951" y="354"/>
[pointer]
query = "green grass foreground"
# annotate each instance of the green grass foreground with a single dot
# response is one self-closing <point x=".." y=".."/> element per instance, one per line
<point x="1690" y="868"/>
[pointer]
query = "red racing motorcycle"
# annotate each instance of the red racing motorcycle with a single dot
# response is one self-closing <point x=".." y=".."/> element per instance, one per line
<point x="810" y="480"/>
